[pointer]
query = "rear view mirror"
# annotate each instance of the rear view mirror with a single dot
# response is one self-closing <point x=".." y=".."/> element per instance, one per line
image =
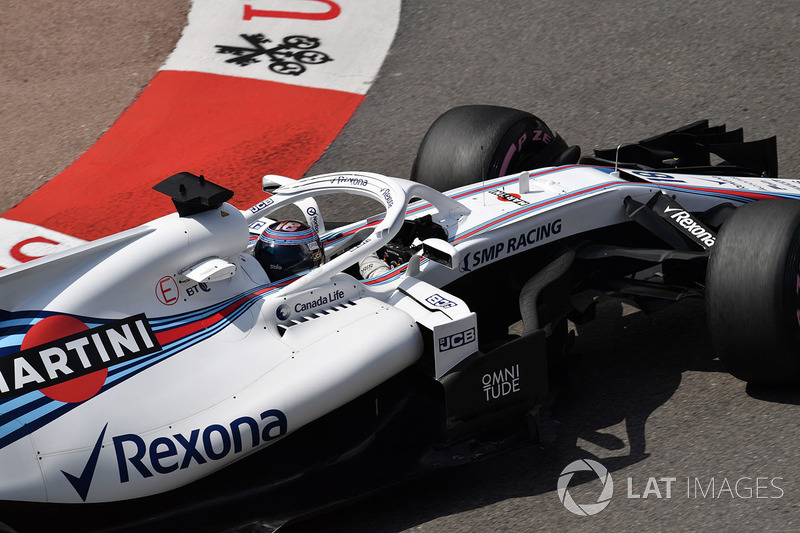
<point x="441" y="252"/>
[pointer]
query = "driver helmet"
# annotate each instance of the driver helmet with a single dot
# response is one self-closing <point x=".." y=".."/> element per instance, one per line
<point x="288" y="247"/>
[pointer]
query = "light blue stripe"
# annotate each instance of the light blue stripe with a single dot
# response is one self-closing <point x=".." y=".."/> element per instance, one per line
<point x="12" y="340"/>
<point x="29" y="417"/>
<point x="14" y="322"/>
<point x="19" y="401"/>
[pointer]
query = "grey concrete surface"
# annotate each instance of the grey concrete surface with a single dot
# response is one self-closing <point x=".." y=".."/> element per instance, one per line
<point x="67" y="71"/>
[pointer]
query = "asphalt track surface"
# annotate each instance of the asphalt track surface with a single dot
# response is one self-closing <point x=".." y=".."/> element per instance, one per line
<point x="647" y="398"/>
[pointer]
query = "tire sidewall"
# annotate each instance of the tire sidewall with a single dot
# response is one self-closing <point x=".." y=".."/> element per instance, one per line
<point x="752" y="292"/>
<point x="790" y="295"/>
<point x="469" y="144"/>
<point x="522" y="140"/>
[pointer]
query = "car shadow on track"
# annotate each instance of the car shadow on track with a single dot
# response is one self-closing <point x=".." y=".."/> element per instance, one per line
<point x="624" y="366"/>
<point x="621" y="370"/>
<point x="789" y="395"/>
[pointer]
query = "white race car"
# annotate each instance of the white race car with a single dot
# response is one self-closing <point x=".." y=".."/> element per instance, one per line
<point x="152" y="377"/>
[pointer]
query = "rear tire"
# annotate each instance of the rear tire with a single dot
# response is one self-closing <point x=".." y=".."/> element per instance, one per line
<point x="472" y="143"/>
<point x="752" y="286"/>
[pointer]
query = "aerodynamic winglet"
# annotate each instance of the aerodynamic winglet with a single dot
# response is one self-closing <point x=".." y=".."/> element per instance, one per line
<point x="193" y="194"/>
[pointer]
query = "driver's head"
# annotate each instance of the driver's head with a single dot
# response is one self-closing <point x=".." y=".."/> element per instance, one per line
<point x="288" y="247"/>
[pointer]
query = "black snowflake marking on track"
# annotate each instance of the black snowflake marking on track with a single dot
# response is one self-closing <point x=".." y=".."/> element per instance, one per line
<point x="289" y="57"/>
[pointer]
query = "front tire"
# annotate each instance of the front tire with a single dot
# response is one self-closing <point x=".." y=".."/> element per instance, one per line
<point x="752" y="292"/>
<point x="472" y="143"/>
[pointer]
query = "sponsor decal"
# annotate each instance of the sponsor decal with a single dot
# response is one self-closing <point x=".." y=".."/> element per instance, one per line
<point x="656" y="176"/>
<point x="166" y="454"/>
<point x="501" y="383"/>
<point x="82" y="483"/>
<point x="692" y="227"/>
<point x="313" y="218"/>
<point x="514" y="198"/>
<point x="536" y="235"/>
<point x="513" y="245"/>
<point x="258" y="226"/>
<point x="197" y="289"/>
<point x="76" y="355"/>
<point x="283" y="312"/>
<point x="437" y="300"/>
<point x="361" y="244"/>
<point x="744" y="184"/>
<point x="319" y="301"/>
<point x="350" y="180"/>
<point x="457" y="340"/>
<point x="791" y="186"/>
<point x="167" y="291"/>
<point x="680" y="219"/>
<point x="260" y="206"/>
<point x="169" y="453"/>
<point x="387" y="195"/>
<point x="289" y="57"/>
<point x="715" y="180"/>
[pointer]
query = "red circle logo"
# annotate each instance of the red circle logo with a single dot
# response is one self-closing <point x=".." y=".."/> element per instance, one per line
<point x="505" y="199"/>
<point x="167" y="291"/>
<point x="55" y="327"/>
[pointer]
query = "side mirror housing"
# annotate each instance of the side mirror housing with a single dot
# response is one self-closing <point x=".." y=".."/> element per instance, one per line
<point x="442" y="252"/>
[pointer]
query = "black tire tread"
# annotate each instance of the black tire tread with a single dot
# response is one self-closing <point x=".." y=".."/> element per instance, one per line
<point x="751" y="292"/>
<point x="466" y="145"/>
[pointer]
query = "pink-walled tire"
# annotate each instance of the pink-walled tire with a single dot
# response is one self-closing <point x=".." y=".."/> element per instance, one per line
<point x="753" y="293"/>
<point x="472" y="143"/>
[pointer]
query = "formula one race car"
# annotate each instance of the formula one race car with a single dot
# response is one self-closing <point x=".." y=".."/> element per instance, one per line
<point x="165" y="373"/>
